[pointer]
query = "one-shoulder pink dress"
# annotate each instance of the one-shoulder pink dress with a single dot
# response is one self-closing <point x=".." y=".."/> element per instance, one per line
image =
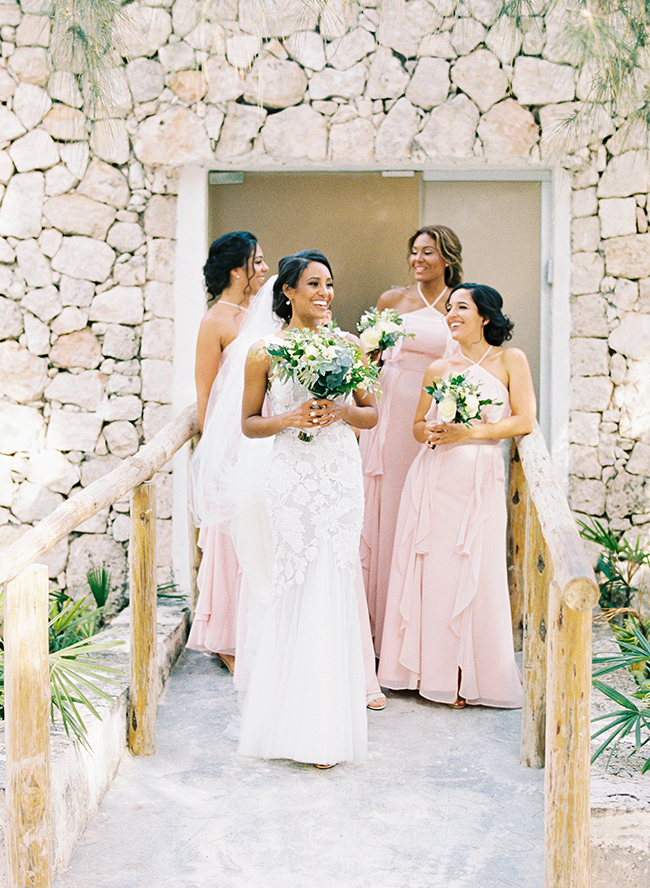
<point x="448" y="604"/>
<point x="388" y="450"/>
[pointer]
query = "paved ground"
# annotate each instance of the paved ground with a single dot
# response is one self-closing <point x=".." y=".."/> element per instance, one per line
<point x="441" y="803"/>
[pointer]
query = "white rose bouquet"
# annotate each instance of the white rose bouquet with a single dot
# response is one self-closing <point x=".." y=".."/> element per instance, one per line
<point x="381" y="329"/>
<point x="458" y="399"/>
<point x="324" y="361"/>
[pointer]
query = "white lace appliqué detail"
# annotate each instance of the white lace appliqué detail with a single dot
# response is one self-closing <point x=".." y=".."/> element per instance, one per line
<point x="315" y="493"/>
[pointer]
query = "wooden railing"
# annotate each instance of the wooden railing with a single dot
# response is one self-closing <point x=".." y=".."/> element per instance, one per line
<point x="27" y="682"/>
<point x="553" y="591"/>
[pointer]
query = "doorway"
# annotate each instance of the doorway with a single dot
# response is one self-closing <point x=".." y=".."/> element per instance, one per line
<point x="362" y="221"/>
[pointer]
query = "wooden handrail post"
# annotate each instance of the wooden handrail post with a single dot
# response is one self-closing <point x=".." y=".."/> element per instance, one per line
<point x="142" y="564"/>
<point x="568" y="858"/>
<point x="538" y="573"/>
<point x="530" y="571"/>
<point x="27" y="713"/>
<point x="516" y="503"/>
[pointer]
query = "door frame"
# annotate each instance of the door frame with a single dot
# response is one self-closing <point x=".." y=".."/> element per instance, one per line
<point x="555" y="308"/>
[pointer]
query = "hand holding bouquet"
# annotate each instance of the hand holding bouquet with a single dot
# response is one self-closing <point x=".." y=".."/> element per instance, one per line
<point x="458" y="399"/>
<point x="325" y="362"/>
<point x="381" y="329"/>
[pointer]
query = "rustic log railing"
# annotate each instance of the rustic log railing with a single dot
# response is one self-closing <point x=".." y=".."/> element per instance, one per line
<point x="554" y="586"/>
<point x="553" y="591"/>
<point x="27" y="700"/>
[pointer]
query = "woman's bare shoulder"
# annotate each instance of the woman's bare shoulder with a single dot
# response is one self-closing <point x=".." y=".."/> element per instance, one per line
<point x="216" y="320"/>
<point x="513" y="358"/>
<point x="391" y="298"/>
<point x="437" y="368"/>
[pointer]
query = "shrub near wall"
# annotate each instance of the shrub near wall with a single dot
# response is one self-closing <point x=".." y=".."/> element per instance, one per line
<point x="87" y="216"/>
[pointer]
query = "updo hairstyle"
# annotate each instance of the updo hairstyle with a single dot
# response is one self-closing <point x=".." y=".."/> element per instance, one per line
<point x="232" y="250"/>
<point x="449" y="247"/>
<point x="290" y="268"/>
<point x="489" y="303"/>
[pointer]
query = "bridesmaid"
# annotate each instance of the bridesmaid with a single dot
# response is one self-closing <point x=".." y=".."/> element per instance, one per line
<point x="389" y="449"/>
<point x="448" y="630"/>
<point x="234" y="272"/>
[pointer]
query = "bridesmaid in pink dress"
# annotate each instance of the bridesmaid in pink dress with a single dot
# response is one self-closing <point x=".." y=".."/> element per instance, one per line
<point x="234" y="272"/>
<point x="389" y="449"/>
<point x="447" y="631"/>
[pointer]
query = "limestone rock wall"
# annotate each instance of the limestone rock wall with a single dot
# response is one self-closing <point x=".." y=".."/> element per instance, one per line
<point x="88" y="207"/>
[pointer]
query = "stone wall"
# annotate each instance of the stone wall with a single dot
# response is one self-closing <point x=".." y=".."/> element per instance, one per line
<point x="87" y="219"/>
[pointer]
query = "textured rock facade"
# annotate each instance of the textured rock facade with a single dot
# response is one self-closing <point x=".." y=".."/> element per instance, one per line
<point x="87" y="220"/>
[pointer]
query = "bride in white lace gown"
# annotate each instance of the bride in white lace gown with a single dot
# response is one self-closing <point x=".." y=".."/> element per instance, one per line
<point x="305" y="697"/>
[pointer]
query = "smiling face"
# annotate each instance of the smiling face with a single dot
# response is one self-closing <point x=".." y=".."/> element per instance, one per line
<point x="426" y="261"/>
<point x="463" y="318"/>
<point x="256" y="269"/>
<point x="311" y="297"/>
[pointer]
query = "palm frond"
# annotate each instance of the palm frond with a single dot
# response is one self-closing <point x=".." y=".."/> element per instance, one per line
<point x="100" y="580"/>
<point x="628" y="720"/>
<point x="75" y="673"/>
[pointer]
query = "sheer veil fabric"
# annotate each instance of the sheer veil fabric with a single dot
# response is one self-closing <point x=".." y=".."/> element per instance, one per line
<point x="228" y="473"/>
<point x="226" y="465"/>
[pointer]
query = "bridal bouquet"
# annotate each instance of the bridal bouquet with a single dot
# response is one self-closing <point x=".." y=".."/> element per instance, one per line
<point x="381" y="329"/>
<point x="458" y="399"/>
<point x="325" y="362"/>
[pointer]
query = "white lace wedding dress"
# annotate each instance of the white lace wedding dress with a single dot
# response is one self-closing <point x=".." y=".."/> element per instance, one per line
<point x="305" y="697"/>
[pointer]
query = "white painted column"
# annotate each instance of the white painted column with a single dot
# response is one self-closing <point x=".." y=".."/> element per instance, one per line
<point x="189" y="308"/>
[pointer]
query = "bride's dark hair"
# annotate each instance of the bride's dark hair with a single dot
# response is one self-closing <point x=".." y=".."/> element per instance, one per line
<point x="232" y="250"/>
<point x="290" y="269"/>
<point x="489" y="303"/>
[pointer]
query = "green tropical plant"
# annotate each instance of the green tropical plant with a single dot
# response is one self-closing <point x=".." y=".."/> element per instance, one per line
<point x="170" y="591"/>
<point x="76" y="668"/>
<point x="629" y="719"/>
<point x="618" y="564"/>
<point x="100" y="581"/>
<point x="75" y="673"/>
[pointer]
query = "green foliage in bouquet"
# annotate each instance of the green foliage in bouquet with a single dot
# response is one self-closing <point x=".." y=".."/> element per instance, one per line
<point x="326" y="363"/>
<point x="458" y="399"/>
<point x="381" y="329"/>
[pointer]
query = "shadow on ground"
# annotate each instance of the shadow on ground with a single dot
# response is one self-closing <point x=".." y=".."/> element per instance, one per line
<point x="441" y="803"/>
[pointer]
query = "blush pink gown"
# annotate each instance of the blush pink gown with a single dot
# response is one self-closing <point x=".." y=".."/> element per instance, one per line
<point x="214" y="627"/>
<point x="388" y="450"/>
<point x="448" y="604"/>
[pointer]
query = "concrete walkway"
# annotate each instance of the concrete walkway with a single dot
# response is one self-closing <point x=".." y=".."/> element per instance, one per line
<point x="441" y="803"/>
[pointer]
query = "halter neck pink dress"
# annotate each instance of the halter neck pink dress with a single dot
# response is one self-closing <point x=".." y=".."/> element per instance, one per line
<point x="388" y="450"/>
<point x="448" y="604"/>
<point x="214" y="627"/>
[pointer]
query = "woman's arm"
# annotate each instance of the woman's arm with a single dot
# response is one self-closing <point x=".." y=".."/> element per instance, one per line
<point x="206" y="367"/>
<point x="523" y="406"/>
<point x="421" y="428"/>
<point x="254" y="425"/>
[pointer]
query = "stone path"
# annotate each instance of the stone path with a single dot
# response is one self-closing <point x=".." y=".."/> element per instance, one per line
<point x="441" y="803"/>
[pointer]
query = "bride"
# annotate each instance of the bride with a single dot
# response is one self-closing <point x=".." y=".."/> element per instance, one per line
<point x="305" y="695"/>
